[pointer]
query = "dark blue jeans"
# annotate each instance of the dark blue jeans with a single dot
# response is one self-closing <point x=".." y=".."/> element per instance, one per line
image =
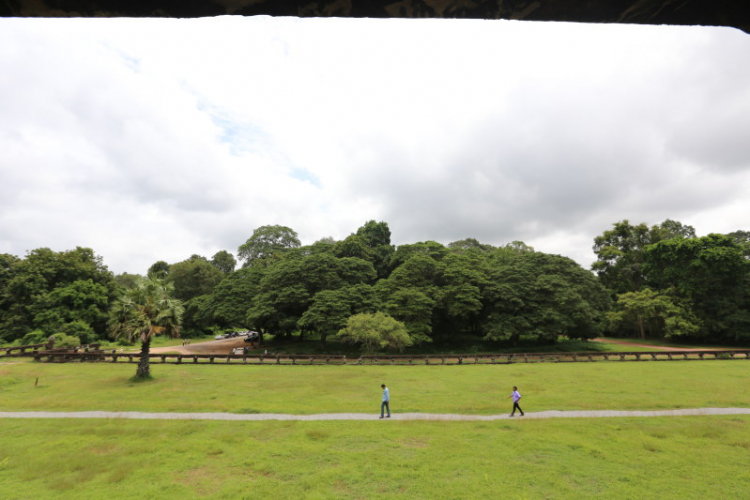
<point x="385" y="406"/>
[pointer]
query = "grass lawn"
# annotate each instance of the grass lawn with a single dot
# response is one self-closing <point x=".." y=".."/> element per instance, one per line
<point x="614" y="458"/>
<point x="657" y="458"/>
<point x="481" y="389"/>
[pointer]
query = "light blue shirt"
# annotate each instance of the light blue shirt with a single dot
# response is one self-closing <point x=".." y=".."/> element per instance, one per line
<point x="386" y="396"/>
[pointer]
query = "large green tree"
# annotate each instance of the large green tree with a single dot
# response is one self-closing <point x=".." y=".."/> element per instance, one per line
<point x="377" y="236"/>
<point x="81" y="301"/>
<point x="327" y="314"/>
<point x="711" y="273"/>
<point x="469" y="244"/>
<point x="10" y="310"/>
<point x="160" y="269"/>
<point x="282" y="296"/>
<point x="194" y="277"/>
<point x="197" y="317"/>
<point x="374" y="332"/>
<point x="85" y="285"/>
<point x="620" y="252"/>
<point x="542" y="296"/>
<point x="290" y="282"/>
<point x="742" y="238"/>
<point x="459" y="299"/>
<point x="265" y="242"/>
<point x="224" y="261"/>
<point x="230" y="300"/>
<point x="409" y="294"/>
<point x="144" y="311"/>
<point x="650" y="313"/>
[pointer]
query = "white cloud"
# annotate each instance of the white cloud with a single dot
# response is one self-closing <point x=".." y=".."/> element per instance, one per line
<point x="155" y="139"/>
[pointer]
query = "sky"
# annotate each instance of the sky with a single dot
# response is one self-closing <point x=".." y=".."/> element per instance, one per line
<point x="157" y="139"/>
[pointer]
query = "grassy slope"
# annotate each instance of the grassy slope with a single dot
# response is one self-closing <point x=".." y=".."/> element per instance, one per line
<point x="333" y="389"/>
<point x="676" y="458"/>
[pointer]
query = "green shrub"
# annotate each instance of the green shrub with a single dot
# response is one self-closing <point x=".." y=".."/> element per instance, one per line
<point x="80" y="329"/>
<point x="62" y="340"/>
<point x="34" y="337"/>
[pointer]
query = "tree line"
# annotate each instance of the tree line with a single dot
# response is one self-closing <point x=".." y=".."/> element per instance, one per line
<point x="657" y="281"/>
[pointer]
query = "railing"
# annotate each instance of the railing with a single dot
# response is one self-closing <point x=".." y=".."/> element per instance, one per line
<point x="34" y="349"/>
<point x="62" y="356"/>
<point x="9" y="351"/>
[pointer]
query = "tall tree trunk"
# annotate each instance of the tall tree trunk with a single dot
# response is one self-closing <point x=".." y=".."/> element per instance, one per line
<point x="641" y="327"/>
<point x="143" y="370"/>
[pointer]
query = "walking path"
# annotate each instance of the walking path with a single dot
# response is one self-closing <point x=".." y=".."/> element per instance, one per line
<point x="366" y="416"/>
<point x="660" y="347"/>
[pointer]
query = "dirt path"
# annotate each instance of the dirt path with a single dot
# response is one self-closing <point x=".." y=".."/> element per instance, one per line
<point x="367" y="416"/>
<point x="660" y="348"/>
<point x="223" y="346"/>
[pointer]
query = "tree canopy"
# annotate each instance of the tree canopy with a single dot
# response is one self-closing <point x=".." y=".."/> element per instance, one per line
<point x="265" y="242"/>
<point x="374" y="332"/>
<point x="648" y="281"/>
<point x="49" y="290"/>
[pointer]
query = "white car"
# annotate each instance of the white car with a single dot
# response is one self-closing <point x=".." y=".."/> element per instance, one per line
<point x="219" y="337"/>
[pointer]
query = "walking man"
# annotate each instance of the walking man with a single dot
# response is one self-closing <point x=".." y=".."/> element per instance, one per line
<point x="386" y="399"/>
<point x="516" y="397"/>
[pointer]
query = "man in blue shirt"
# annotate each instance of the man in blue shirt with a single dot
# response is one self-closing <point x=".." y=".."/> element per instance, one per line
<point x="516" y="397"/>
<point x="386" y="399"/>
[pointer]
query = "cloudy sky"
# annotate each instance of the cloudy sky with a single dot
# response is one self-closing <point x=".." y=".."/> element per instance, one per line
<point x="157" y="139"/>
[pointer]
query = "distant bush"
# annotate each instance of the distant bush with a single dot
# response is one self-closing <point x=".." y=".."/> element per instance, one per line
<point x="34" y="337"/>
<point x="79" y="329"/>
<point x="63" y="340"/>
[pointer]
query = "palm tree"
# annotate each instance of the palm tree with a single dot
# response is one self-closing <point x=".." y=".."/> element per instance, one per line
<point x="143" y="311"/>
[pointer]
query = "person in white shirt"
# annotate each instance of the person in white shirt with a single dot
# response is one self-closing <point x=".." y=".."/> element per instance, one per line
<point x="386" y="400"/>
<point x="516" y="397"/>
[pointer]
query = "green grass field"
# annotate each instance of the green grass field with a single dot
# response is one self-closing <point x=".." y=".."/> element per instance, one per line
<point x="619" y="458"/>
<point x="479" y="389"/>
<point x="675" y="458"/>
